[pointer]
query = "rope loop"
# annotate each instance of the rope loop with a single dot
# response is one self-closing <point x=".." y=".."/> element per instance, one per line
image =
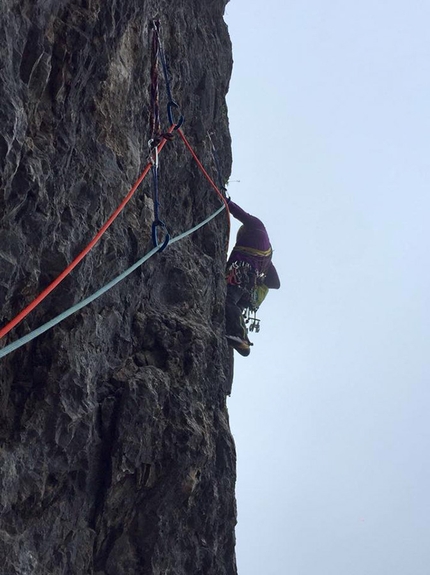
<point x="174" y="105"/>
<point x="159" y="224"/>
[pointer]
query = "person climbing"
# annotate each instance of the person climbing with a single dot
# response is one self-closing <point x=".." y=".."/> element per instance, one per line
<point x="250" y="274"/>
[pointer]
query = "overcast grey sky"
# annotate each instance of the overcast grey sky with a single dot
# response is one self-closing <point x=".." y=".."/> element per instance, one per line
<point x="329" y="114"/>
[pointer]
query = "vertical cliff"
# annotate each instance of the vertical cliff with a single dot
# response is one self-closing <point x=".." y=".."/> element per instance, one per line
<point x="116" y="456"/>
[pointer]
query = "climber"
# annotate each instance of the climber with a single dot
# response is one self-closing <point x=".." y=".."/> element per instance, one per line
<point x="250" y="274"/>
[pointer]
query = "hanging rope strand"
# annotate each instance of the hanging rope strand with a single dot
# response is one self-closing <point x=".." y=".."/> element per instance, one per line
<point x="155" y="127"/>
<point x="217" y="165"/>
<point x="171" y="103"/>
<point x="207" y="176"/>
<point x="154" y="114"/>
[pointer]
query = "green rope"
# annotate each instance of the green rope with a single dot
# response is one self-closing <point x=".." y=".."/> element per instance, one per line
<point x="56" y="320"/>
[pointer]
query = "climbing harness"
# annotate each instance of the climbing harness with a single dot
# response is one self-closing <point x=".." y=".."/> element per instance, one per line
<point x="240" y="274"/>
<point x="253" y="251"/>
<point x="243" y="275"/>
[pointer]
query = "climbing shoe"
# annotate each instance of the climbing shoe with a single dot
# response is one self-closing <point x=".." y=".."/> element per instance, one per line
<point x="242" y="346"/>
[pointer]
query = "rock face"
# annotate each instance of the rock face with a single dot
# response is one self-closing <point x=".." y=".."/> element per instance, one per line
<point x="116" y="456"/>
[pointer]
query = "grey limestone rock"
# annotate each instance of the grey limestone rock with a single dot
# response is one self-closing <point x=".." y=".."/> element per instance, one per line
<point x="116" y="456"/>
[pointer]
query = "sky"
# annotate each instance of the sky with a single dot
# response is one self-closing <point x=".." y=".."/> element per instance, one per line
<point x="329" y="116"/>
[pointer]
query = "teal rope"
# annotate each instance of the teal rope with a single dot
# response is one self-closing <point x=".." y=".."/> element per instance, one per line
<point x="198" y="226"/>
<point x="56" y="320"/>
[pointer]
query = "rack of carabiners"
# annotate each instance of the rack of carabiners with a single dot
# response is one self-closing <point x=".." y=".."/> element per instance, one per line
<point x="250" y="313"/>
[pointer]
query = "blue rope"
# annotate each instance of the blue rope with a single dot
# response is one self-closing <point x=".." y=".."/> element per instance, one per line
<point x="154" y="116"/>
<point x="172" y="104"/>
<point x="157" y="223"/>
<point x="56" y="320"/>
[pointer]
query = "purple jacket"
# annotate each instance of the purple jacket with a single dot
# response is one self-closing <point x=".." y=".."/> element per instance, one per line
<point x="253" y="236"/>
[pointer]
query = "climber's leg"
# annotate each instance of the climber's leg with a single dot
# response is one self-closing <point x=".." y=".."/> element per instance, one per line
<point x="237" y="333"/>
<point x="233" y="312"/>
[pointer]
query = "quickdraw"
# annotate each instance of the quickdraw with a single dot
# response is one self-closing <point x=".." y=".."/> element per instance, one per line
<point x="171" y="103"/>
<point x="250" y="318"/>
<point x="242" y="274"/>
<point x="156" y="137"/>
<point x="157" y="223"/>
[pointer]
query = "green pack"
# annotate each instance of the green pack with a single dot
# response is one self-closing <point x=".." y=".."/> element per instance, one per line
<point x="258" y="295"/>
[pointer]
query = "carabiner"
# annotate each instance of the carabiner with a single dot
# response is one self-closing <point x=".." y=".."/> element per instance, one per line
<point x="159" y="224"/>
<point x="178" y="124"/>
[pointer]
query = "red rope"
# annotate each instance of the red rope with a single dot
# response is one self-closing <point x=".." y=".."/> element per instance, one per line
<point x="210" y="180"/>
<point x="6" y="329"/>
